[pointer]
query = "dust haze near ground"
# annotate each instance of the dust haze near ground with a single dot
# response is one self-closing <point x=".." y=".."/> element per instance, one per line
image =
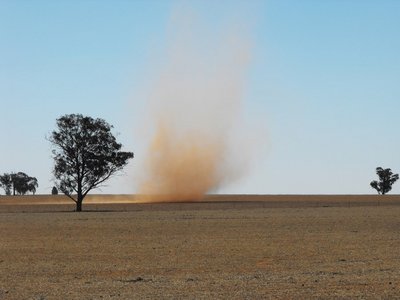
<point x="195" y="104"/>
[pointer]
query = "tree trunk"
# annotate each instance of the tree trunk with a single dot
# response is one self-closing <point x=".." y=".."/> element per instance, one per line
<point x="79" y="196"/>
<point x="79" y="205"/>
<point x="79" y="202"/>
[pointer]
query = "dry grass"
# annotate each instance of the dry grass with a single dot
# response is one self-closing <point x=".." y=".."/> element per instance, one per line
<point x="301" y="247"/>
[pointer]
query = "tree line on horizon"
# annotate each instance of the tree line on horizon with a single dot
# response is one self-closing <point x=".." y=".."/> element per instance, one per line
<point x="18" y="183"/>
<point x="86" y="154"/>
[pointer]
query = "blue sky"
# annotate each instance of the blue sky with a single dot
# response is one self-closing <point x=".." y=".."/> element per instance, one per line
<point x="323" y="82"/>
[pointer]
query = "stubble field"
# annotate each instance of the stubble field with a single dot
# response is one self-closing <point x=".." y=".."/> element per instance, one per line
<point x="229" y="247"/>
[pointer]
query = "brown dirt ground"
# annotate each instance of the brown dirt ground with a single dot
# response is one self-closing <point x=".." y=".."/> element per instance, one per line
<point x="228" y="247"/>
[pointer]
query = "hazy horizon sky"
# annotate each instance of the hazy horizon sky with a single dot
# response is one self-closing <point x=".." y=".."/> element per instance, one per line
<point x="322" y="84"/>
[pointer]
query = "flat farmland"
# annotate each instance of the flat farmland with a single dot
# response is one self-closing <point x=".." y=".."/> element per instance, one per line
<point x="226" y="247"/>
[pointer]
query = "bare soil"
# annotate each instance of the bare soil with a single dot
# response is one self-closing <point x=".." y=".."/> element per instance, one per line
<point x="227" y="247"/>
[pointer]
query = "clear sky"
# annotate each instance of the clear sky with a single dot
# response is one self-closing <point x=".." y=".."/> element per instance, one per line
<point x="324" y="82"/>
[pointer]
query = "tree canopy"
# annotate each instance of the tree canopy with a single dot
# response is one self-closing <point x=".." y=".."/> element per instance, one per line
<point x="19" y="183"/>
<point x="6" y="183"/>
<point x="386" y="180"/>
<point x="86" y="154"/>
<point x="54" y="191"/>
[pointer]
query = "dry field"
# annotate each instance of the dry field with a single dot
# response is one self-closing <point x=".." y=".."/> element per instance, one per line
<point x="228" y="247"/>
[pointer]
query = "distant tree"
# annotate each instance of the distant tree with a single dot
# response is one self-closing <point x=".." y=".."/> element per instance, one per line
<point x="86" y="154"/>
<point x="54" y="191"/>
<point x="386" y="180"/>
<point x="19" y="183"/>
<point x="32" y="185"/>
<point x="6" y="183"/>
<point x="23" y="183"/>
